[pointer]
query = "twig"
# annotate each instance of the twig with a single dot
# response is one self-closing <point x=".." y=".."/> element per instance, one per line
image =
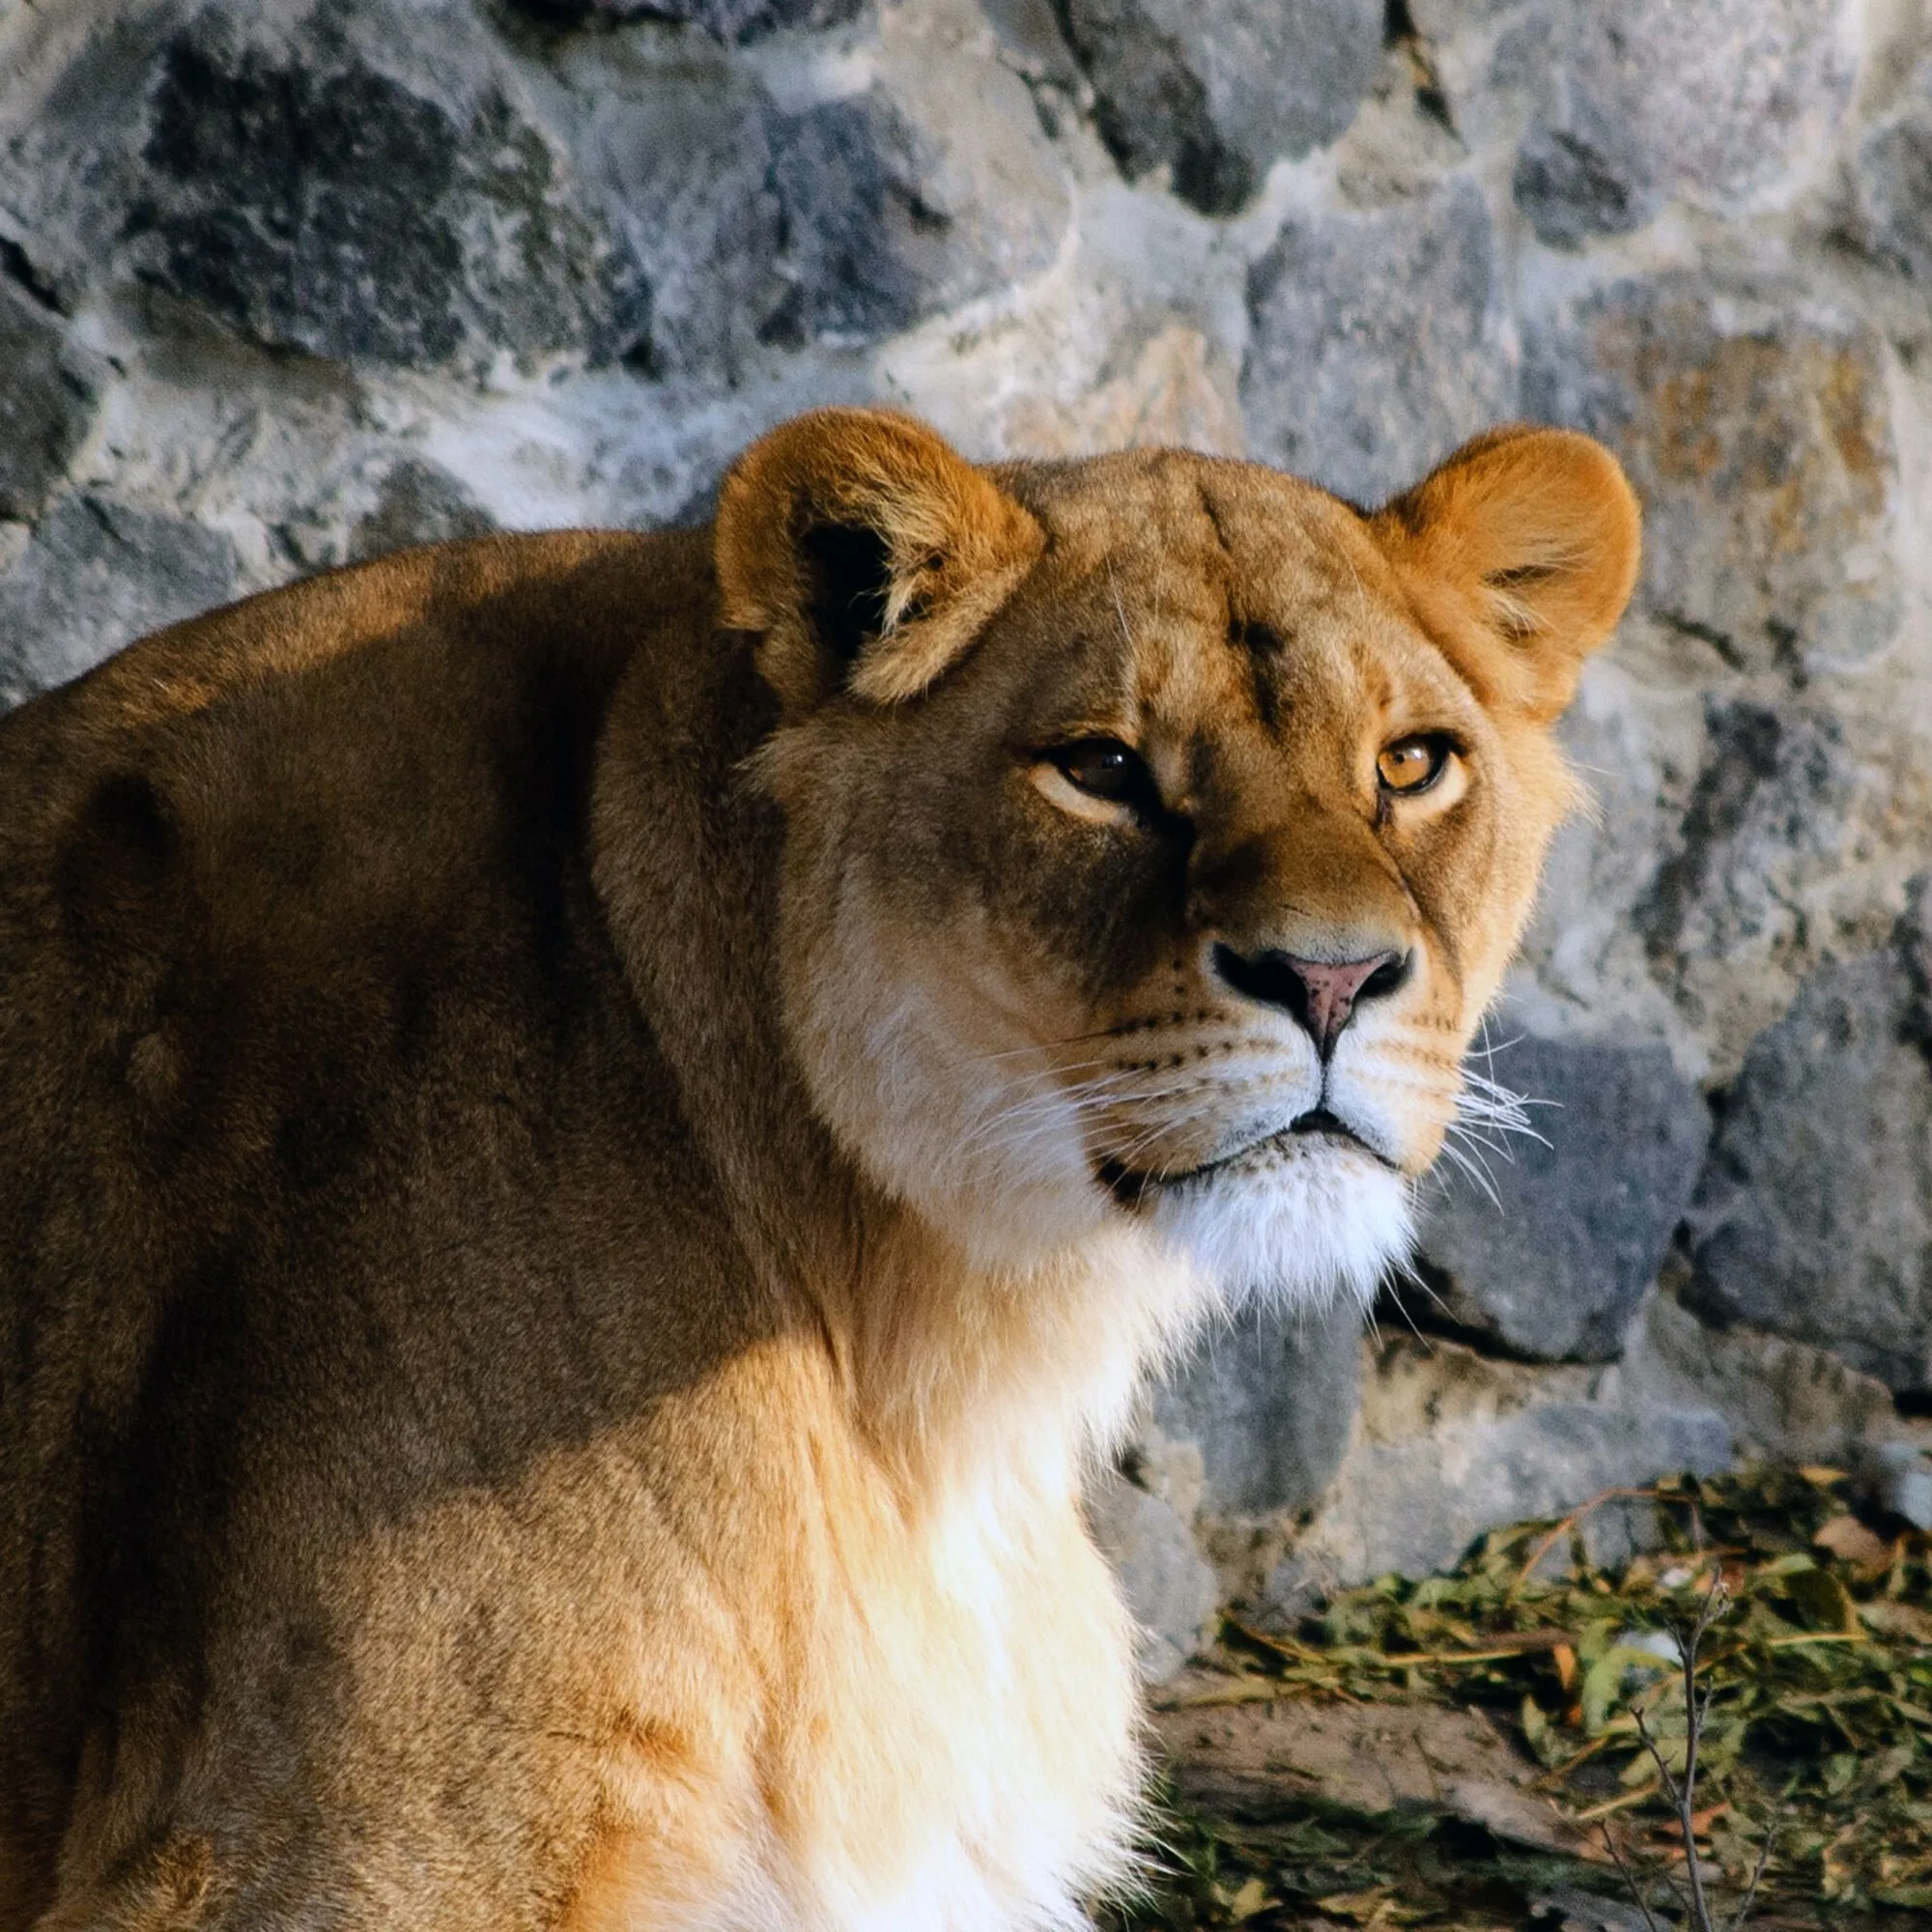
<point x="1757" y="1873"/>
<point x="1716" y="1600"/>
<point x="1681" y="1792"/>
<point x="1694" y="1904"/>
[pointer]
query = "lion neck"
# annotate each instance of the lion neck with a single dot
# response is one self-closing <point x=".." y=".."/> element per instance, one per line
<point x="949" y="1367"/>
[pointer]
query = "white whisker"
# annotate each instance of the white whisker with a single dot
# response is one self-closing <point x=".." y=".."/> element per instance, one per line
<point x="1470" y="1137"/>
<point x="1474" y="1168"/>
<point x="1409" y="1276"/>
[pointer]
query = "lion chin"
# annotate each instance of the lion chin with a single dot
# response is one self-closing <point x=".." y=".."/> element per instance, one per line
<point x="1291" y="1224"/>
<point x="597" y="1131"/>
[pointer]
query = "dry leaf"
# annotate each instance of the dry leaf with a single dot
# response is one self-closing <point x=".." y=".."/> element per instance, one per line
<point x="1363" y="1907"/>
<point x="1846" y="1537"/>
<point x="1904" y="1620"/>
<point x="1253" y="1898"/>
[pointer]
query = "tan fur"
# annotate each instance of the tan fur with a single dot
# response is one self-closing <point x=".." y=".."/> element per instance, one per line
<point x="594" y="1135"/>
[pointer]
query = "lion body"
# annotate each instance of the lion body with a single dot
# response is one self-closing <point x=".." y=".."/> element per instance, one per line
<point x="479" y="1445"/>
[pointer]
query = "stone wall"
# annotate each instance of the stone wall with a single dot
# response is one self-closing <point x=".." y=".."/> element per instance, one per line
<point x="284" y="283"/>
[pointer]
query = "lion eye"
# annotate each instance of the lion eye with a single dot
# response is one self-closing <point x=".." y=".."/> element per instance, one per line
<point x="1105" y="768"/>
<point x="1413" y="765"/>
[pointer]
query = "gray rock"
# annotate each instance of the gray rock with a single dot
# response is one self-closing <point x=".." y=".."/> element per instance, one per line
<point x="1893" y="183"/>
<point x="1437" y="19"/>
<point x="730" y="20"/>
<point x="328" y="207"/>
<point x="349" y="178"/>
<point x="1612" y="1534"/>
<point x="1607" y="1534"/>
<point x="47" y="396"/>
<point x="1267" y="1402"/>
<point x="1782" y="1400"/>
<point x="1772" y="795"/>
<point x="1169" y="1589"/>
<point x="1760" y="442"/>
<point x="1570" y="189"/>
<point x="98" y="573"/>
<point x="687" y="163"/>
<point x="1814" y="1216"/>
<point x="1555" y="1263"/>
<point x="1217" y="90"/>
<point x="1653" y="99"/>
<point x="895" y="204"/>
<point x="1905" y="1486"/>
<point x="1378" y="342"/>
<point x="991" y="183"/>
<point x="1450" y="1446"/>
<point x="861" y="249"/>
<point x="418" y="503"/>
<point x="1032" y="40"/>
<point x="760" y="229"/>
<point x="1414" y="1511"/>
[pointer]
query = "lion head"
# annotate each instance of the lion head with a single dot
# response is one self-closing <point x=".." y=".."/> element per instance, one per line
<point x="1159" y="827"/>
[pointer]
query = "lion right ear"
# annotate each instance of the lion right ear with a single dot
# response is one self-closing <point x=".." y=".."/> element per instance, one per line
<point x="1520" y="553"/>
<point x="865" y="552"/>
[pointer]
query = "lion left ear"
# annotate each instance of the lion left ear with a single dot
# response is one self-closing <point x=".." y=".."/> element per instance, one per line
<point x="867" y="551"/>
<point x="1521" y="553"/>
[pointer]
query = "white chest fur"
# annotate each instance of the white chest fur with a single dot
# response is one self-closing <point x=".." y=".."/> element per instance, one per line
<point x="946" y="1736"/>
<point x="984" y="1767"/>
<point x="967" y="1763"/>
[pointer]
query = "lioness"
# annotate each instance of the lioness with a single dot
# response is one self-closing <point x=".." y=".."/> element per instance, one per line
<point x="595" y="1129"/>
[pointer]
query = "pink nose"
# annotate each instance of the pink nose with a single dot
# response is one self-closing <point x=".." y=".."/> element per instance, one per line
<point x="1320" y="994"/>
<point x="1330" y="992"/>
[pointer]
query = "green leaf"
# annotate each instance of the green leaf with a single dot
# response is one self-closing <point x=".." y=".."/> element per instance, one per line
<point x="1820" y="1600"/>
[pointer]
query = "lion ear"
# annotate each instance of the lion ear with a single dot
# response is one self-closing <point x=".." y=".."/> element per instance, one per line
<point x="865" y="552"/>
<point x="1521" y="553"/>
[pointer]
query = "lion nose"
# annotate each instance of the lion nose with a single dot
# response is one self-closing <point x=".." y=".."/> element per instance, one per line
<point x="1321" y="995"/>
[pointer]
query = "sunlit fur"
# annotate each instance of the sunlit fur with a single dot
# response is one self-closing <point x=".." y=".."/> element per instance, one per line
<point x="595" y="1139"/>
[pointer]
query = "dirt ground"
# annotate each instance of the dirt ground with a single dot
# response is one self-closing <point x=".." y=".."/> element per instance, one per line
<point x="1506" y="1747"/>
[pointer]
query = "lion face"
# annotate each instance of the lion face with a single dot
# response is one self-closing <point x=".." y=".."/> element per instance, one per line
<point x="1159" y="827"/>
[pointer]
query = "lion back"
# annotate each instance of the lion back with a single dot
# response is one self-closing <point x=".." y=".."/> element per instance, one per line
<point x="287" y="895"/>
